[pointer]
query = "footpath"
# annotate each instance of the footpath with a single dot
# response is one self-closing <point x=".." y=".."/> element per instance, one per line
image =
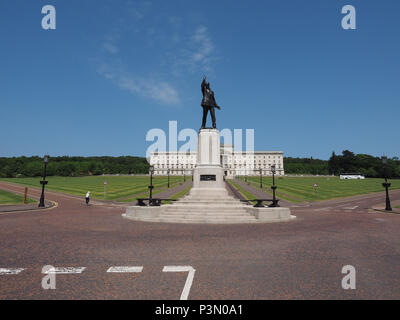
<point x="260" y="194"/>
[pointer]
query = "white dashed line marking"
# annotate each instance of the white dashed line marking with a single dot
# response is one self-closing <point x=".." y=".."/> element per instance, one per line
<point x="350" y="208"/>
<point x="67" y="270"/>
<point x="4" y="271"/>
<point x="125" y="269"/>
<point x="323" y="209"/>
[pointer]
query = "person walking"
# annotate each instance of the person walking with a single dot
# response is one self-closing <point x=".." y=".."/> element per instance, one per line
<point x="87" y="197"/>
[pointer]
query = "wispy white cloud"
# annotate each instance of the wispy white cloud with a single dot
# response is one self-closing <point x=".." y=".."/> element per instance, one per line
<point x="112" y="67"/>
<point x="198" y="53"/>
<point x="205" y="46"/>
<point x="138" y="9"/>
<point x="110" y="48"/>
<point x="160" y="91"/>
<point x="171" y="44"/>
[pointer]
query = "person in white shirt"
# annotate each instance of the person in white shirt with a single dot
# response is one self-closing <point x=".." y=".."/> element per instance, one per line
<point x="87" y="197"/>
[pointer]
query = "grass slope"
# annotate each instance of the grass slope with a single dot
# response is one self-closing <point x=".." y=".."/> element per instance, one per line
<point x="128" y="188"/>
<point x="297" y="189"/>
<point x="11" y="198"/>
<point x="119" y="188"/>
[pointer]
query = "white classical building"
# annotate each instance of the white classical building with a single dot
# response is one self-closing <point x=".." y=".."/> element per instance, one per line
<point x="234" y="163"/>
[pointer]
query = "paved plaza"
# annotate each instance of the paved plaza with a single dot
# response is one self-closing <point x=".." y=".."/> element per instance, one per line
<point x="300" y="259"/>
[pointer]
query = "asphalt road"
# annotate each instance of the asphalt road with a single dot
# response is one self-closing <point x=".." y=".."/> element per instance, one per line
<point x="302" y="259"/>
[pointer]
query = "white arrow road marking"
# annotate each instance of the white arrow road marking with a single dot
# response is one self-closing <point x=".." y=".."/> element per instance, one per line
<point x="323" y="209"/>
<point x="4" y="271"/>
<point x="350" y="208"/>
<point x="189" y="279"/>
<point x="66" y="270"/>
<point x="125" y="269"/>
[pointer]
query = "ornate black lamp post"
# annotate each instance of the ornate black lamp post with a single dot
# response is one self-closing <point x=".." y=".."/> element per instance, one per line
<point x="273" y="187"/>
<point x="43" y="182"/>
<point x="260" y="178"/>
<point x="168" y="178"/>
<point x="151" y="187"/>
<point x="386" y="184"/>
<point x="184" y="176"/>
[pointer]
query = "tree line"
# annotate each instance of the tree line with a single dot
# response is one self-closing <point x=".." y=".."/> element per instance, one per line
<point x="72" y="166"/>
<point x="365" y="164"/>
<point x="305" y="166"/>
<point x="347" y="162"/>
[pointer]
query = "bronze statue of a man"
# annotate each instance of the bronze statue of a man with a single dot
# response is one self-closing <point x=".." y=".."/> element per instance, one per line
<point x="208" y="103"/>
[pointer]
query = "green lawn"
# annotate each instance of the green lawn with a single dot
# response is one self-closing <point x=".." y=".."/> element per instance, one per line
<point x="119" y="188"/>
<point x="128" y="188"/>
<point x="298" y="189"/>
<point x="11" y="198"/>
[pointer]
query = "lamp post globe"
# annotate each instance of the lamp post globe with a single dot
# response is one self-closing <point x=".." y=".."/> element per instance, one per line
<point x="43" y="182"/>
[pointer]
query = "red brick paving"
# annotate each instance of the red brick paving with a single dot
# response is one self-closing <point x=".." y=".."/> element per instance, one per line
<point x="301" y="259"/>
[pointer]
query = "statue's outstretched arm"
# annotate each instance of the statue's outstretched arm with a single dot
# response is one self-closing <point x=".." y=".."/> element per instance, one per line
<point x="203" y="85"/>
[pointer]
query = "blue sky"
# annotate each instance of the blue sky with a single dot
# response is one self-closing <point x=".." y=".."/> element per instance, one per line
<point x="112" y="70"/>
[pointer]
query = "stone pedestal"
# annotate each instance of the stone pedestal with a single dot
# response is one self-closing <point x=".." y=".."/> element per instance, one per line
<point x="208" y="172"/>
<point x="208" y="200"/>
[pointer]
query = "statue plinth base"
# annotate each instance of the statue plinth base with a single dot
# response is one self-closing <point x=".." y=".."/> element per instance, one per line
<point x="208" y="200"/>
<point x="208" y="172"/>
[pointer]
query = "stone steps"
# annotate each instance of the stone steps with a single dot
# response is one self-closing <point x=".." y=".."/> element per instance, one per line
<point x="201" y="210"/>
<point x="214" y="205"/>
<point x="205" y="206"/>
<point x="196" y="215"/>
<point x="209" y="201"/>
<point x="208" y="213"/>
<point x="203" y="220"/>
